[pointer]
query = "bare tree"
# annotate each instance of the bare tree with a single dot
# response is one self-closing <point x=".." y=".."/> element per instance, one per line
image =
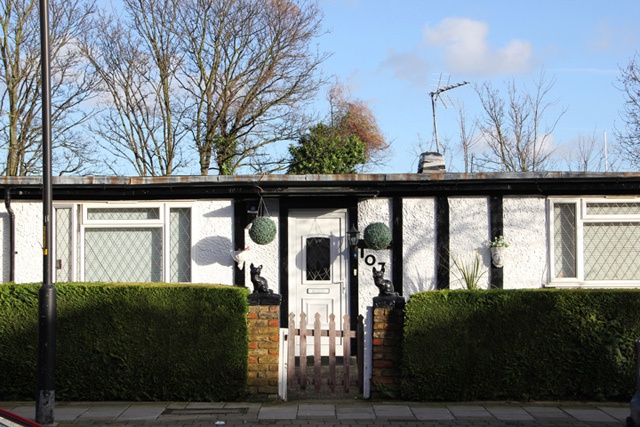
<point x="629" y="139"/>
<point x="585" y="155"/>
<point x="249" y="73"/>
<point x="20" y="86"/>
<point x="137" y="57"/>
<point x="469" y="139"/>
<point x="515" y="129"/>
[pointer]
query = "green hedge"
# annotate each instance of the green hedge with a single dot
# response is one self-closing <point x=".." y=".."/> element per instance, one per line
<point x="520" y="344"/>
<point x="129" y="342"/>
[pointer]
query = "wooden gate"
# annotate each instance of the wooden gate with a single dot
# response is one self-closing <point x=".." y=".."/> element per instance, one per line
<point x="324" y="376"/>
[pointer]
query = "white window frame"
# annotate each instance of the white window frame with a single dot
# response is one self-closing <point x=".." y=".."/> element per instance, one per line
<point x="80" y="223"/>
<point x="582" y="217"/>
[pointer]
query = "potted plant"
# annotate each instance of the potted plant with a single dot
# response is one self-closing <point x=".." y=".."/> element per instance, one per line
<point x="497" y="247"/>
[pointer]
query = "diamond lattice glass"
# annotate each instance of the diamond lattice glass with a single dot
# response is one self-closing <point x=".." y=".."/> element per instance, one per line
<point x="180" y="244"/>
<point x="123" y="255"/>
<point x="318" y="258"/>
<point x="564" y="239"/>
<point x="63" y="245"/>
<point x="612" y="251"/>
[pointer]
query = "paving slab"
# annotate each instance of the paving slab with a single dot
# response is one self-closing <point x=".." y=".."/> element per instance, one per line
<point x="70" y="413"/>
<point x="469" y="411"/>
<point x="547" y="413"/>
<point x="503" y="413"/>
<point x="355" y="412"/>
<point x="589" y="415"/>
<point x="104" y="411"/>
<point x="143" y="411"/>
<point x="320" y="410"/>
<point x="620" y="414"/>
<point x="280" y="412"/>
<point x="432" y="413"/>
<point x="393" y="411"/>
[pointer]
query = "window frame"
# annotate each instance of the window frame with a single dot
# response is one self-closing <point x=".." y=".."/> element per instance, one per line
<point x="582" y="217"/>
<point x="80" y="223"/>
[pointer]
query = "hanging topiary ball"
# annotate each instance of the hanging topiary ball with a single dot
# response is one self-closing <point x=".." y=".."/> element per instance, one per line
<point x="377" y="236"/>
<point x="263" y="230"/>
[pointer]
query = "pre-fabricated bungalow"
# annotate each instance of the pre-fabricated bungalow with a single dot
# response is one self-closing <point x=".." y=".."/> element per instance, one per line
<point x="563" y="230"/>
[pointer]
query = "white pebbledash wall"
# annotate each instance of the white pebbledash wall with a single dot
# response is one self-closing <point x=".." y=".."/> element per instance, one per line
<point x="419" y="245"/>
<point x="524" y="219"/>
<point x="526" y="231"/>
<point x="28" y="257"/>
<point x="212" y="241"/>
<point x="469" y="233"/>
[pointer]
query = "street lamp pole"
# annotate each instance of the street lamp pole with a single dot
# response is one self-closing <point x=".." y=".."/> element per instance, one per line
<point x="45" y="399"/>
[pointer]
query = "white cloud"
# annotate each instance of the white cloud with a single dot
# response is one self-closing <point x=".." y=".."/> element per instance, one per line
<point x="407" y="66"/>
<point x="467" y="51"/>
<point x="606" y="38"/>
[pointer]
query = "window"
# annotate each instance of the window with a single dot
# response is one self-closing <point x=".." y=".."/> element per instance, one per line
<point x="595" y="242"/>
<point x="140" y="243"/>
<point x="318" y="256"/>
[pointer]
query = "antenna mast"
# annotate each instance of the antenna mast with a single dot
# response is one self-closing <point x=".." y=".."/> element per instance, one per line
<point x="435" y="95"/>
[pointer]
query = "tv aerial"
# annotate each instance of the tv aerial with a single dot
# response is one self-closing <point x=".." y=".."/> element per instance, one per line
<point x="436" y="95"/>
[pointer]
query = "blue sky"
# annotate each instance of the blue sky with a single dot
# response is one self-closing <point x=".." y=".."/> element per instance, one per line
<point x="390" y="54"/>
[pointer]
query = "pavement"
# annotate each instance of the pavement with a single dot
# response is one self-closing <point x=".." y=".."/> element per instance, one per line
<point x="330" y="413"/>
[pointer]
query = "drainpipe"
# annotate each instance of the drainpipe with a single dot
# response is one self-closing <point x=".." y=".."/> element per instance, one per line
<point x="12" y="235"/>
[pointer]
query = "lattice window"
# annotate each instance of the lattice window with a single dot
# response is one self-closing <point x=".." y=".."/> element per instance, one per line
<point x="64" y="243"/>
<point x="612" y="251"/>
<point x="318" y="254"/>
<point x="596" y="241"/>
<point x="124" y="243"/>
<point x="123" y="214"/>
<point x="613" y="208"/>
<point x="180" y="244"/>
<point x="565" y="239"/>
<point x="123" y="255"/>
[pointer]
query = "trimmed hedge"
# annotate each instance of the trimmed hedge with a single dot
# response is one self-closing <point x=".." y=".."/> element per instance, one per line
<point x="521" y="345"/>
<point x="129" y="342"/>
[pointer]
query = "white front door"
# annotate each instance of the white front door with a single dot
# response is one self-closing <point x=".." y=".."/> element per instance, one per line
<point x="318" y="267"/>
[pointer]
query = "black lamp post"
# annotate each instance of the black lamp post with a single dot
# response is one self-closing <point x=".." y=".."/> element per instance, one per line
<point x="45" y="399"/>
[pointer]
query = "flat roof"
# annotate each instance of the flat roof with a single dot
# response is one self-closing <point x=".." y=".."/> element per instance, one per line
<point x="358" y="185"/>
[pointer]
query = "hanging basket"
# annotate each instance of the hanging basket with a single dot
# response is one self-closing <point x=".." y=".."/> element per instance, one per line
<point x="377" y="236"/>
<point x="263" y="230"/>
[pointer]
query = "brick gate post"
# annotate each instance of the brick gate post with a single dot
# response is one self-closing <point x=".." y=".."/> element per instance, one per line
<point x="388" y="323"/>
<point x="263" y="322"/>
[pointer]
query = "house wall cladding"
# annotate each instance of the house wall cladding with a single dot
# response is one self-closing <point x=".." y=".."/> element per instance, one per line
<point x="524" y="221"/>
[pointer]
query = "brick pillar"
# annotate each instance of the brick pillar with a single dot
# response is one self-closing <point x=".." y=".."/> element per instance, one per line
<point x="263" y="322"/>
<point x="388" y="323"/>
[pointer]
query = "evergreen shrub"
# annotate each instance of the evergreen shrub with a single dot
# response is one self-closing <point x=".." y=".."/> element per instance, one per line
<point x="521" y="345"/>
<point x="129" y="342"/>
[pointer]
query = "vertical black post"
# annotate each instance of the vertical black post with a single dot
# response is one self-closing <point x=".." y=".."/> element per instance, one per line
<point x="496" y="229"/>
<point x="397" y="253"/>
<point x="239" y="222"/>
<point x="45" y="400"/>
<point x="283" y="233"/>
<point x="442" y="242"/>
